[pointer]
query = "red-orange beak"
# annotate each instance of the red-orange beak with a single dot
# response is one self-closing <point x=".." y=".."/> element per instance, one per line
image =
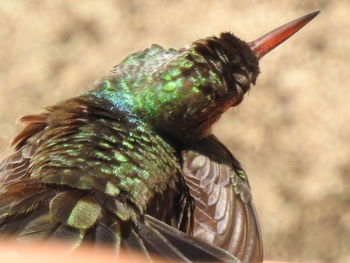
<point x="266" y="43"/>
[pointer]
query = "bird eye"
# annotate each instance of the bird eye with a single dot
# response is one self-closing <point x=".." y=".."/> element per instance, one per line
<point x="241" y="79"/>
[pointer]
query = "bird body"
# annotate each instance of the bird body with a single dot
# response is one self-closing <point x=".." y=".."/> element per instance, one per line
<point x="132" y="162"/>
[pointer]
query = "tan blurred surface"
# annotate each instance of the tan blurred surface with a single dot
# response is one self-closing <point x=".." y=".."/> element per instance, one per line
<point x="291" y="132"/>
<point x="58" y="253"/>
<point x="40" y="253"/>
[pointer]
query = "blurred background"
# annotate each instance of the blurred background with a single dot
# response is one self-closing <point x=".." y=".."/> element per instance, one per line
<point x="291" y="133"/>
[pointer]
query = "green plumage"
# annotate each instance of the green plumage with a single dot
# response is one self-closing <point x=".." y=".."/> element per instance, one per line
<point x="92" y="167"/>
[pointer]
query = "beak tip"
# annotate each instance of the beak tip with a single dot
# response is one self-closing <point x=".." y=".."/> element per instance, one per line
<point x="315" y="13"/>
<point x="310" y="16"/>
<point x="266" y="43"/>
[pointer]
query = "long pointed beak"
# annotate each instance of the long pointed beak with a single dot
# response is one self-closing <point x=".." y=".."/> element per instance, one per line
<point x="266" y="43"/>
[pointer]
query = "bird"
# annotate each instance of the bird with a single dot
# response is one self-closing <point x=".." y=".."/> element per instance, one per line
<point x="132" y="163"/>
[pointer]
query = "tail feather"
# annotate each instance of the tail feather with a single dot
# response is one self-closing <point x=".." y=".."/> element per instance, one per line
<point x="158" y="244"/>
<point x="134" y="243"/>
<point x="193" y="249"/>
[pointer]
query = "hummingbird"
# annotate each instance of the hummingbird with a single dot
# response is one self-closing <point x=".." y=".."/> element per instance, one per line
<point x="132" y="163"/>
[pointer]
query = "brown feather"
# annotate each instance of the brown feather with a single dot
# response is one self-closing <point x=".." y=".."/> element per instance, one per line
<point x="224" y="214"/>
<point x="33" y="124"/>
<point x="35" y="118"/>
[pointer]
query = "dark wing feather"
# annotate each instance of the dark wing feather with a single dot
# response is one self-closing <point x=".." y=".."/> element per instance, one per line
<point x="184" y="247"/>
<point x="224" y="213"/>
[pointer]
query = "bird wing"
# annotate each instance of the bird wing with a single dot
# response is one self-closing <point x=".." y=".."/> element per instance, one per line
<point x="224" y="213"/>
<point x="31" y="210"/>
<point x="15" y="167"/>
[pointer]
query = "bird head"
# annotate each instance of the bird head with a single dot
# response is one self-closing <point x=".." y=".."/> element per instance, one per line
<point x="182" y="93"/>
<point x="211" y="76"/>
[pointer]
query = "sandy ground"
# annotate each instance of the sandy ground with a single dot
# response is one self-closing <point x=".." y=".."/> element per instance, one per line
<point x="291" y="132"/>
